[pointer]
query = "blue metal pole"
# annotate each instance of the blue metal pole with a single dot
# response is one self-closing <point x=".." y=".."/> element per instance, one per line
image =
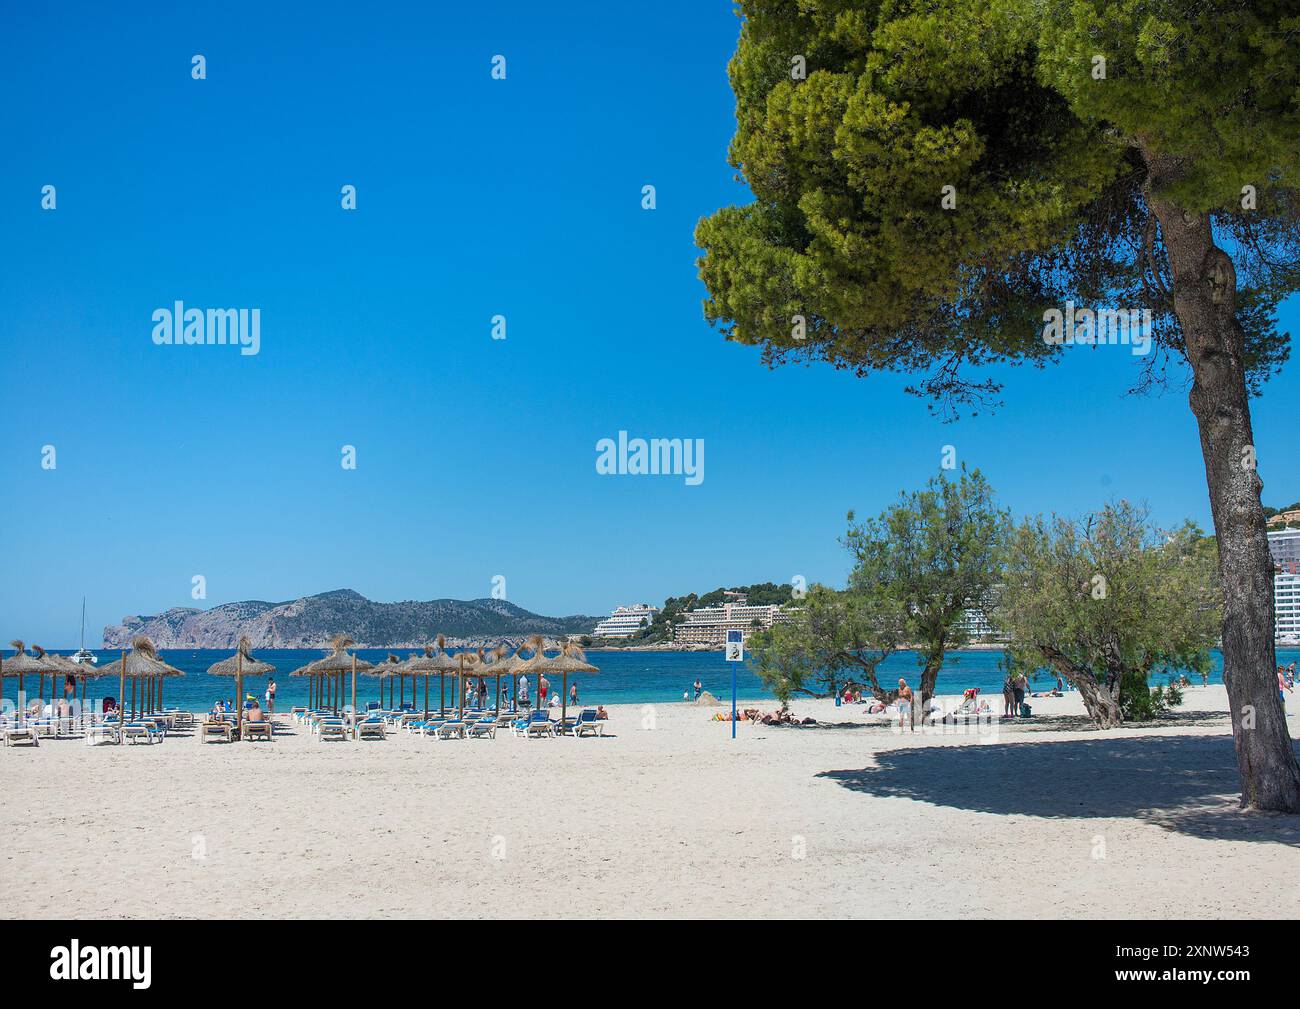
<point x="733" y="698"/>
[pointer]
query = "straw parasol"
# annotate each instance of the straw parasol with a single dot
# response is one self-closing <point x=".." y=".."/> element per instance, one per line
<point x="441" y="662"/>
<point x="385" y="669"/>
<point x="505" y="663"/>
<point x="570" y="660"/>
<point x="425" y="664"/>
<point x="333" y="667"/>
<point x="463" y="659"/>
<point x="79" y="671"/>
<point x="141" y="664"/>
<point x="21" y="664"/>
<point x="237" y="665"/>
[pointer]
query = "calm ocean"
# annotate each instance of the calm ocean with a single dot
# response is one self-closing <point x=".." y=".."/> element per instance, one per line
<point x="624" y="677"/>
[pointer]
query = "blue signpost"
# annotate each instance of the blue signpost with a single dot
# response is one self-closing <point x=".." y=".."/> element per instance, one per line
<point x="735" y="655"/>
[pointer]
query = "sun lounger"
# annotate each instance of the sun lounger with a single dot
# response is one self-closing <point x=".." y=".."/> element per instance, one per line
<point x="586" y="724"/>
<point x="371" y="729"/>
<point x="216" y="730"/>
<point x="104" y="732"/>
<point x="332" y="729"/>
<point x="24" y="734"/>
<point x="451" y="728"/>
<point x="482" y="727"/>
<point x="133" y="732"/>
<point x="539" y="724"/>
<point x="257" y="730"/>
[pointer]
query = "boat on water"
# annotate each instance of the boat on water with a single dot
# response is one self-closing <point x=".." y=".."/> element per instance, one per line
<point x="83" y="655"/>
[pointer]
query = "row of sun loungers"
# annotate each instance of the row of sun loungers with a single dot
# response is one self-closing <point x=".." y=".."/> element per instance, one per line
<point x="376" y="724"/>
<point x="324" y="725"/>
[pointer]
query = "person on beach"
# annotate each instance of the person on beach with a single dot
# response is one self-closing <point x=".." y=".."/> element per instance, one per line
<point x="522" y="695"/>
<point x="543" y="687"/>
<point x="1282" y="687"/>
<point x="482" y="693"/>
<point x="904" y="703"/>
<point x="254" y="713"/>
<point x="699" y="689"/>
<point x="573" y="694"/>
<point x="270" y="696"/>
<point x="1008" y="697"/>
<point x="1018" y="687"/>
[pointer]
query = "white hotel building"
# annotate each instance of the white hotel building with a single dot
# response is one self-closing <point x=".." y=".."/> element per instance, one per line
<point x="625" y="621"/>
<point x="1284" y="544"/>
<point x="709" y="626"/>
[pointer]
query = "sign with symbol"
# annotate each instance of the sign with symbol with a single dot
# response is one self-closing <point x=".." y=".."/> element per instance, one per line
<point x="735" y="646"/>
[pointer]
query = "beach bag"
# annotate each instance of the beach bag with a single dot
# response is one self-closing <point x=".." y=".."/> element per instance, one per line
<point x="1026" y="711"/>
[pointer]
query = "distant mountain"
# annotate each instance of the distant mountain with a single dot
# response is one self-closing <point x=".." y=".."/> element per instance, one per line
<point x="311" y="621"/>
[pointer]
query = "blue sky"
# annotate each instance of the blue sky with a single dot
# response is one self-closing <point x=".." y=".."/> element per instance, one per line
<point x="476" y="197"/>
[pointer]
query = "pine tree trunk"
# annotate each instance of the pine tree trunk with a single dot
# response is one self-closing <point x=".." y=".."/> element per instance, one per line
<point x="1204" y="294"/>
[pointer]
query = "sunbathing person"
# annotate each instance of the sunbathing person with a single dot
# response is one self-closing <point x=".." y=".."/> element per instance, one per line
<point x="254" y="714"/>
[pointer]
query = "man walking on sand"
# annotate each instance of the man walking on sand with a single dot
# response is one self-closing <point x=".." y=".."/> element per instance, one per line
<point x="270" y="696"/>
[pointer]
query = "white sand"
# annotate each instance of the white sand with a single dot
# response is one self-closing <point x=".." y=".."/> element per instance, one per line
<point x="669" y="817"/>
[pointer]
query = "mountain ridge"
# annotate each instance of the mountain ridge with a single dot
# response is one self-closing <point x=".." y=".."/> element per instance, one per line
<point x="310" y="621"/>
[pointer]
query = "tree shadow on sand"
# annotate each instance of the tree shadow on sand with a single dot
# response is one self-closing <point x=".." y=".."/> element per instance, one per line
<point x="1187" y="784"/>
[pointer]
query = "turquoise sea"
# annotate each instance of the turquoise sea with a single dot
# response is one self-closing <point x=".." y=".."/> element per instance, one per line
<point x="624" y="677"/>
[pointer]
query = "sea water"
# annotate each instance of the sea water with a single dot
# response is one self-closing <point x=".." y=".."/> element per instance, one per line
<point x="625" y="677"/>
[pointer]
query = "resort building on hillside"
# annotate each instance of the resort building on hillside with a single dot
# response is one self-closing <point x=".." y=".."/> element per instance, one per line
<point x="709" y="626"/>
<point x="1284" y="545"/>
<point x="626" y="621"/>
<point x="1285" y="518"/>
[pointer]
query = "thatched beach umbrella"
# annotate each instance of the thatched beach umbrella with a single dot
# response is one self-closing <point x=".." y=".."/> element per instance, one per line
<point x="237" y="665"/>
<point x="441" y="663"/>
<point x="80" y="672"/>
<point x="464" y="660"/>
<point x="141" y="664"/>
<point x="504" y="663"/>
<point x="426" y="664"/>
<point x="385" y="669"/>
<point x="47" y="665"/>
<point x="21" y="664"/>
<point x="334" y="666"/>
<point x="570" y="660"/>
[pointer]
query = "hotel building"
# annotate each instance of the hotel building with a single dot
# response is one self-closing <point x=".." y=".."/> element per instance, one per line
<point x="1284" y="545"/>
<point x="709" y="626"/>
<point x="626" y="621"/>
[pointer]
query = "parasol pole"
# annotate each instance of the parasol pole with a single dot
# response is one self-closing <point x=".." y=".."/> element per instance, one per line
<point x="239" y="691"/>
<point x="121" y="701"/>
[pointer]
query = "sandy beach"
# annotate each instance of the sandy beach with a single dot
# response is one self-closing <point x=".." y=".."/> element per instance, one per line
<point x="666" y="816"/>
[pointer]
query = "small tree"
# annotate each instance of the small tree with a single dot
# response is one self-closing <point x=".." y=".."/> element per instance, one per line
<point x="833" y="640"/>
<point x="1107" y="602"/>
<point x="929" y="558"/>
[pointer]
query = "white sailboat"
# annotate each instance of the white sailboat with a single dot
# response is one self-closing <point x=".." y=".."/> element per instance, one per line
<point x="83" y="655"/>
